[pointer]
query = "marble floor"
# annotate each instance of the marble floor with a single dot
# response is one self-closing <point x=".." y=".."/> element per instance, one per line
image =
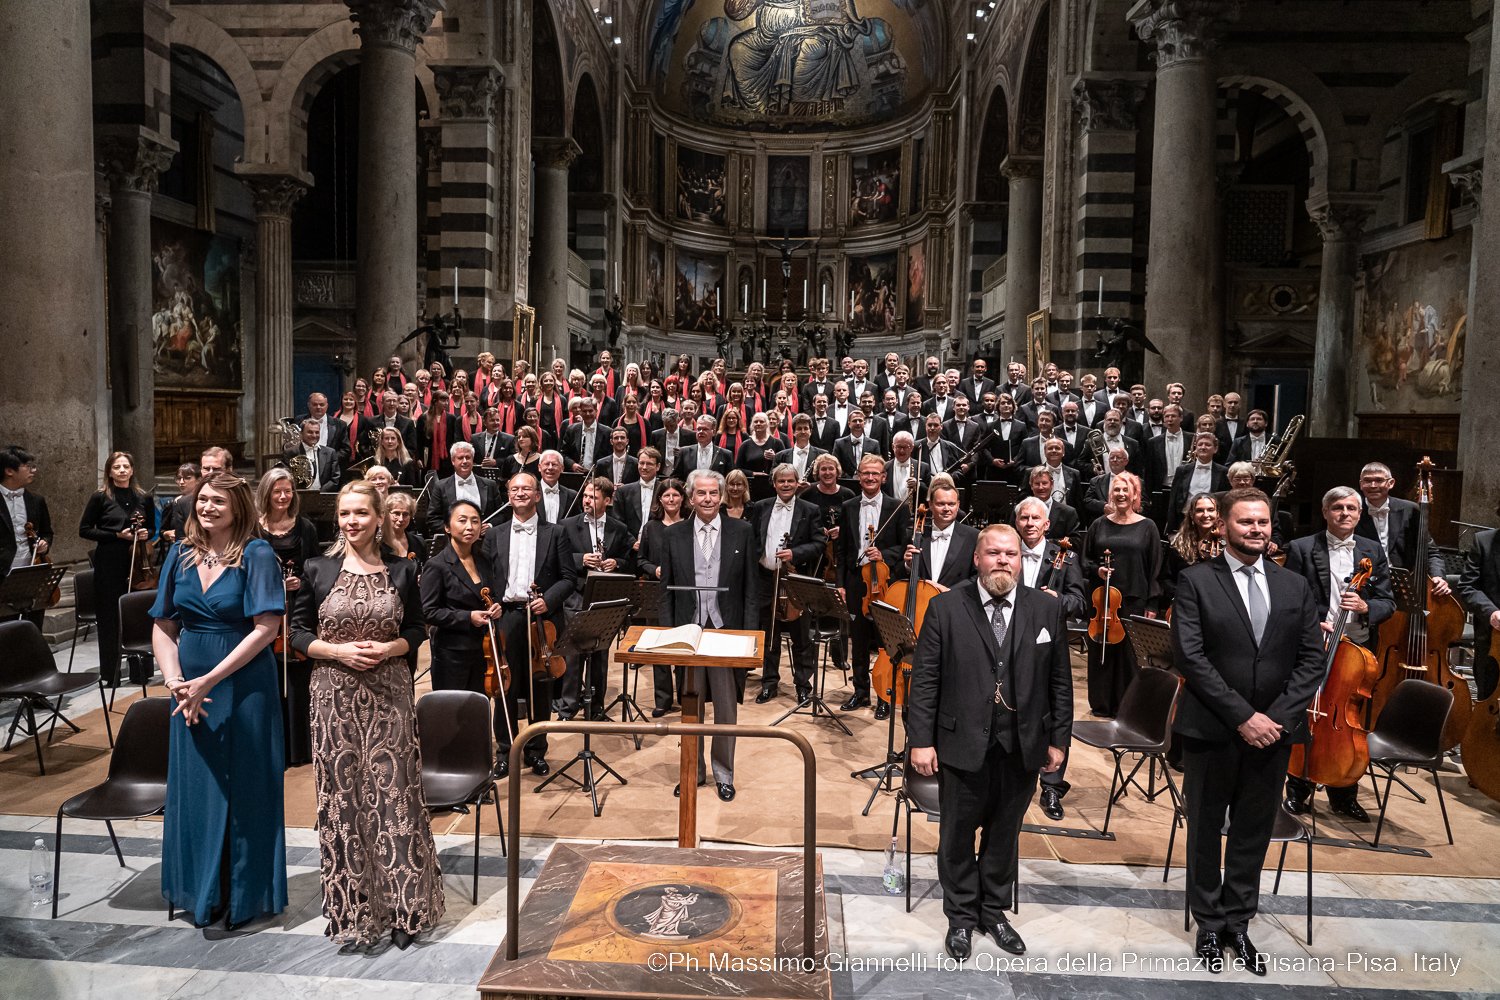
<point x="1092" y="931"/>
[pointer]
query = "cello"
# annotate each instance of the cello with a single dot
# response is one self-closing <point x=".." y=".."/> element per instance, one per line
<point x="1481" y="746"/>
<point x="1414" y="642"/>
<point x="1105" y="626"/>
<point x="1337" y="753"/>
<point x="911" y="596"/>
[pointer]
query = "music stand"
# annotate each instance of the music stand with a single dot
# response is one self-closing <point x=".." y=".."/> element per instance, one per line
<point x="900" y="642"/>
<point x="29" y="589"/>
<point x="991" y="496"/>
<point x="1151" y="638"/>
<point x="1410" y="597"/>
<point x="574" y="480"/>
<point x="820" y="600"/>
<point x="608" y="588"/>
<point x="592" y="630"/>
<point x="761" y="487"/>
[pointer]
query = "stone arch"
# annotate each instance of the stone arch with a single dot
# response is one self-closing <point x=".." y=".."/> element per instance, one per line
<point x="588" y="127"/>
<point x="322" y="54"/>
<point x="1029" y="122"/>
<point x="550" y="98"/>
<point x="193" y="31"/>
<point x="993" y="146"/>
<point x="1301" y="114"/>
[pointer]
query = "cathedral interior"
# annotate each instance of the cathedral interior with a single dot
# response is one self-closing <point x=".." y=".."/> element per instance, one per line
<point x="211" y="211"/>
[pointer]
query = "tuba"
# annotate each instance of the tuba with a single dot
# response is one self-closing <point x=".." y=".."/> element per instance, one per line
<point x="1274" y="459"/>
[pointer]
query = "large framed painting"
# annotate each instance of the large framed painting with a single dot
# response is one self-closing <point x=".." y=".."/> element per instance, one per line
<point x="656" y="281"/>
<point x="195" y="308"/>
<point x="1413" y="325"/>
<point x="786" y="193"/>
<point x="916" y="285"/>
<point x="700" y="290"/>
<point x="700" y="186"/>
<point x="875" y="187"/>
<point x="872" y="293"/>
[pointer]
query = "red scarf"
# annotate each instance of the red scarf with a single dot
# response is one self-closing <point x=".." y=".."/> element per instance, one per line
<point x="468" y="424"/>
<point x="609" y="379"/>
<point x="439" y="437"/>
<point x="368" y="409"/>
<point x="559" y="410"/>
<point x="640" y="423"/>
<point x="732" y="443"/>
<point x="508" y="416"/>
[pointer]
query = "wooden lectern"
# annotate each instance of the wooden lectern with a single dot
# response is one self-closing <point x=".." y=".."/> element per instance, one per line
<point x="692" y="709"/>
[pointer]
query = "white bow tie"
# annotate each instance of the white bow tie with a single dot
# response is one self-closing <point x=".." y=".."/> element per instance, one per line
<point x="942" y="536"/>
<point x="784" y="507"/>
<point x="522" y="529"/>
<point x="870" y="503"/>
<point x="1347" y="545"/>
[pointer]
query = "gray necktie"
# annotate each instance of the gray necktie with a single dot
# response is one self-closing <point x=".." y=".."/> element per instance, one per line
<point x="997" y="621"/>
<point x="1258" y="610"/>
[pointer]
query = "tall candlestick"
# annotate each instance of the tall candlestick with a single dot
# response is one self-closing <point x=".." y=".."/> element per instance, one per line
<point x="804" y="294"/>
<point x="617" y="277"/>
<point x="1099" y="309"/>
<point x="762" y="293"/>
<point x="718" y="302"/>
<point x="455" y="286"/>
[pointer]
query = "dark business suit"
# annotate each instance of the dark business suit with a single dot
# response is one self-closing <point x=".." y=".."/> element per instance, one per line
<point x="327" y="465"/>
<point x="334" y="434"/>
<point x="618" y="544"/>
<point x="606" y="467"/>
<point x="1228" y="678"/>
<point x="553" y="574"/>
<point x="988" y="755"/>
<point x="626" y="507"/>
<point x="950" y="454"/>
<point x="573" y="443"/>
<point x="687" y="461"/>
<point x="737" y="553"/>
<point x="36" y="514"/>
<point x="958" y="561"/>
<point x="1063" y="522"/>
<point x="1401" y="535"/>
<point x="499" y="446"/>
<point x="975" y="388"/>
<point x="891" y="541"/>
<point x="1181" y="484"/>
<point x="830" y="433"/>
<point x="1007" y="449"/>
<point x="1479" y="590"/>
<point x="806" y="542"/>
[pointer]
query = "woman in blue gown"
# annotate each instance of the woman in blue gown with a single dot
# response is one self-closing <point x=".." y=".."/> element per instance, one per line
<point x="218" y="607"/>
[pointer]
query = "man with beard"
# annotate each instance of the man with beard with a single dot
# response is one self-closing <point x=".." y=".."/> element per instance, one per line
<point x="991" y="704"/>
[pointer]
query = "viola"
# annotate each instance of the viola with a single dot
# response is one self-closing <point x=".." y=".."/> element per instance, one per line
<point x="1414" y="642"/>
<point x="786" y="611"/>
<point x="1059" y="560"/>
<point x="1337" y="752"/>
<point x="830" y="555"/>
<point x="496" y="671"/>
<point x="1105" y="626"/>
<point x="877" y="575"/>
<point x="544" y="661"/>
<point x="42" y="560"/>
<point x="143" y="568"/>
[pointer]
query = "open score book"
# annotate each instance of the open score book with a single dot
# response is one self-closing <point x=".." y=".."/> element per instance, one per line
<point x="693" y="639"/>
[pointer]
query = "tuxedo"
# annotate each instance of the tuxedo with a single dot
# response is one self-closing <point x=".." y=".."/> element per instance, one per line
<point x="1032" y="453"/>
<point x="735" y="551"/>
<point x="1160" y="475"/>
<point x="879" y="428"/>
<point x="1479" y="590"/>
<point x="915" y="426"/>
<point x="685" y="439"/>
<point x="923" y="385"/>
<point x="1066" y="581"/>
<point x="326" y="465"/>
<point x="885" y="382"/>
<point x="687" y="459"/>
<point x="333" y="433"/>
<point x="988" y="754"/>
<point x="975" y="389"/>
<point x="552" y="572"/>
<point x="1133" y="448"/>
<point x="1063" y="522"/>
<point x="958" y="560"/>
<point x="830" y="432"/>
<point x="811" y="389"/>
<point x="443" y="494"/>
<point x="788" y="455"/>
<point x="627" y="505"/>
<point x="1243" y="448"/>
<point x="1308" y="557"/>
<point x="807" y="542"/>
<point x="573" y="443"/>
<point x="498" y="446"/>
<point x="1018" y="391"/>
<point x="858" y="389"/>
<point x="950" y="454"/>
<point x="843" y="450"/>
<point x="567" y="503"/>
<point x="1077" y="441"/>
<point x="1401" y="535"/>
<point x="1027" y="414"/>
<point x="965" y="436"/>
<point x="579" y="539"/>
<point x="1228" y="432"/>
<point x="941" y="405"/>
<point x="893" y="525"/>
<point x="606" y="467"/>
<point x="1181" y="490"/>
<point x="1071" y="480"/>
<point x="1006" y="448"/>
<point x="1229" y="676"/>
<point x="1091" y="412"/>
<point x="40" y="519"/>
<point x="1096" y="496"/>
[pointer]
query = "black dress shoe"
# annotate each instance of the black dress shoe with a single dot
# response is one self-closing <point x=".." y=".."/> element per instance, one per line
<point x="882" y="711"/>
<point x="539" y="766"/>
<point x="803" y="697"/>
<point x="1051" y="803"/>
<point x="501" y="768"/>
<point x="957" y="942"/>
<point x="1352" y="810"/>
<point x="1296" y="805"/>
<point x="1208" y="949"/>
<point x="657" y="713"/>
<point x="1005" y="936"/>
<point x="677" y="789"/>
<point x="766" y="694"/>
<point x="401" y="939"/>
<point x="726" y="791"/>
<point x="1252" y="957"/>
<point x="854" y="702"/>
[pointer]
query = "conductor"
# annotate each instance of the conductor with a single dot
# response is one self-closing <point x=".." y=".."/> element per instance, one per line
<point x="991" y="705"/>
<point x="1248" y="645"/>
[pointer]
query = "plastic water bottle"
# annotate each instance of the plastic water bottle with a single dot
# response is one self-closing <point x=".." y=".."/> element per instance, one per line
<point x="893" y="879"/>
<point x="41" y="873"/>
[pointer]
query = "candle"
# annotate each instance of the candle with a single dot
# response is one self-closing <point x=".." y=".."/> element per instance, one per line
<point x="823" y="303"/>
<point x="762" y="293"/>
<point x="804" y="293"/>
<point x="617" y="277"/>
<point x="745" y="298"/>
<point x="455" y="286"/>
<point x="718" y="302"/>
<point x="1099" y="309"/>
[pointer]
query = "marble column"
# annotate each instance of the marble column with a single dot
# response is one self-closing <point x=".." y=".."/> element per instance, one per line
<point x="1023" y="249"/>
<point x="1481" y="403"/>
<point x="386" y="271"/>
<point x="275" y="196"/>
<point x="549" y="273"/>
<point x="49" y="278"/>
<point x="1180" y="317"/>
<point x="1340" y="218"/>
<point x="133" y="165"/>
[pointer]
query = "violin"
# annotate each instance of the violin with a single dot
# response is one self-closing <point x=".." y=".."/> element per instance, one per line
<point x="785" y="610"/>
<point x="830" y="556"/>
<point x="1337" y="752"/>
<point x="42" y="560"/>
<point x="1105" y="626"/>
<point x="1059" y="560"/>
<point x="143" y="568"/>
<point x="281" y="645"/>
<point x="877" y="575"/>
<point x="496" y="671"/>
<point x="544" y="662"/>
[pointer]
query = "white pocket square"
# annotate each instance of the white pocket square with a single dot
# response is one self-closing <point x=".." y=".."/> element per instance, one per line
<point x="1043" y="636"/>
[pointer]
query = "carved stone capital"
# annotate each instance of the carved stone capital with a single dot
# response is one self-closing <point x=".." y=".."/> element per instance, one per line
<point x="134" y="162"/>
<point x="275" y="195"/>
<point x="1469" y="180"/>
<point x="1183" y="30"/>
<point x="468" y="91"/>
<point x="1342" y="218"/>
<point x="1107" y="105"/>
<point x="556" y="152"/>
<point x="1019" y="167"/>
<point x="398" y="24"/>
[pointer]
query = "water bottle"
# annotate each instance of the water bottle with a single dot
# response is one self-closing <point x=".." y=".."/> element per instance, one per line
<point x="41" y="873"/>
<point x="893" y="879"/>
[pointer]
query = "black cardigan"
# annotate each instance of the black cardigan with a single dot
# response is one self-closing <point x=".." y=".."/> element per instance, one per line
<point x="318" y="577"/>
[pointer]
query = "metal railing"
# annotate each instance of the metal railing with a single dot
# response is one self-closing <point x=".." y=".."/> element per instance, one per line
<point x="699" y="729"/>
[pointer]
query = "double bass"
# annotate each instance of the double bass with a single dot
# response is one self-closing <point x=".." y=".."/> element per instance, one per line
<point x="1481" y="746"/>
<point x="1337" y="753"/>
<point x="1414" y="642"/>
<point x="1105" y="626"/>
<point x="912" y="597"/>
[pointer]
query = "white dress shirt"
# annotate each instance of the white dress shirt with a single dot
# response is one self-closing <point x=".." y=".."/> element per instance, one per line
<point x="522" y="559"/>
<point x="648" y="497"/>
<point x="901" y="473"/>
<point x="937" y="551"/>
<point x="869" y="518"/>
<point x="1243" y="583"/>
<point x="466" y="489"/>
<point x="312" y="460"/>
<point x="1257" y="446"/>
<point x="705" y="456"/>
<point x="840" y="413"/>
<point x="777" y="527"/>
<point x="935" y="455"/>
<point x="1202" y="480"/>
<point x="1382" y="517"/>
<point x="1340" y="568"/>
<point x="1031" y="562"/>
<point x="587" y="434"/>
<point x="15" y="503"/>
<point x="617" y="473"/>
<point x="551" y="500"/>
<point x="1172" y="444"/>
<point x="800" y="460"/>
<point x="323" y="430"/>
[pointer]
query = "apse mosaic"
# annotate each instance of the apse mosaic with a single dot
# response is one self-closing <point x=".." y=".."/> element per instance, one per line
<point x="791" y="65"/>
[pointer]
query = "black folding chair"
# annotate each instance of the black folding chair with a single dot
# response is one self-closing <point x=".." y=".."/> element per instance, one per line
<point x="453" y="729"/>
<point x="29" y="674"/>
<point x="1409" y="733"/>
